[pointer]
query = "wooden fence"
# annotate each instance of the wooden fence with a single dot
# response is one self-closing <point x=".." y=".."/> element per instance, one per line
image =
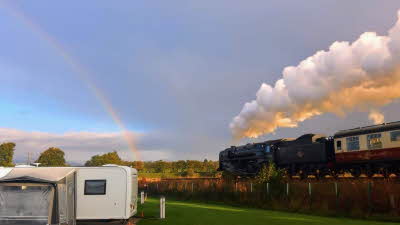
<point x="363" y="198"/>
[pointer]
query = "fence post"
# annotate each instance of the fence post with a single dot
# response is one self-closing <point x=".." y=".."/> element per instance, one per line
<point x="251" y="186"/>
<point x="337" y="195"/>
<point x="192" y="186"/>
<point x="162" y="207"/>
<point x="268" y="188"/>
<point x="287" y="189"/>
<point x="392" y="202"/>
<point x="369" y="196"/>
<point x="157" y="186"/>
<point x="310" y="194"/>
<point x="235" y="186"/>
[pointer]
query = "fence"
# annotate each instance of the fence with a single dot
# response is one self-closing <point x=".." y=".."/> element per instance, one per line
<point x="345" y="198"/>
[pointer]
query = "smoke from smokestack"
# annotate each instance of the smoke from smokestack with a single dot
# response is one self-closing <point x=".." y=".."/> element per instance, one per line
<point x="376" y="117"/>
<point x="347" y="77"/>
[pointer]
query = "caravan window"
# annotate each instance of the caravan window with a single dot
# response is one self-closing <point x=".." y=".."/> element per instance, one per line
<point x="95" y="187"/>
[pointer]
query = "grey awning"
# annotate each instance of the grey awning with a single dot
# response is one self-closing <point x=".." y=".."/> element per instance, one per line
<point x="37" y="174"/>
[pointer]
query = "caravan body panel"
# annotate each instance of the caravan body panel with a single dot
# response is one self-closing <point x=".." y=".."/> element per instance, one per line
<point x="105" y="193"/>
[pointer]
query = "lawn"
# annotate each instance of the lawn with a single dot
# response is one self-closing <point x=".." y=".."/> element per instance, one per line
<point x="190" y="213"/>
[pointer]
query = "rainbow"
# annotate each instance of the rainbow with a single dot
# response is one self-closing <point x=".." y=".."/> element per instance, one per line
<point x="82" y="73"/>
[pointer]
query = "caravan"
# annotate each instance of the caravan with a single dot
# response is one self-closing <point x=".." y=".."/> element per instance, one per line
<point x="63" y="195"/>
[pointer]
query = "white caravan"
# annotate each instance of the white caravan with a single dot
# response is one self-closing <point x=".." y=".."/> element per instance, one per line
<point x="62" y="195"/>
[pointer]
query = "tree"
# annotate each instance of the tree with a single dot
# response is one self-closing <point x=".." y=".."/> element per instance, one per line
<point x="7" y="154"/>
<point x="161" y="166"/>
<point x="108" y="158"/>
<point x="139" y="165"/>
<point x="179" y="166"/>
<point x="52" y="157"/>
<point x="270" y="174"/>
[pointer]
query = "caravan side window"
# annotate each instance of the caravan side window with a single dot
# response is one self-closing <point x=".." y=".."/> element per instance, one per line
<point x="95" y="187"/>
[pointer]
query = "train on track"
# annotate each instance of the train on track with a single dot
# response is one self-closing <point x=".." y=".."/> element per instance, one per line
<point x="364" y="150"/>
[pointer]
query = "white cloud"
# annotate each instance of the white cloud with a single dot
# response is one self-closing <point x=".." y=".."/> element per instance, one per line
<point x="348" y="77"/>
<point x="78" y="146"/>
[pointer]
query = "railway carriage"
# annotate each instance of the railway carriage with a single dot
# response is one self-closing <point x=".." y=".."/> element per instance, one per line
<point x="369" y="150"/>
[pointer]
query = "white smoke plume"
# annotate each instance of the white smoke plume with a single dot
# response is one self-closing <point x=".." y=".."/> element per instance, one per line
<point x="361" y="75"/>
<point x="376" y="117"/>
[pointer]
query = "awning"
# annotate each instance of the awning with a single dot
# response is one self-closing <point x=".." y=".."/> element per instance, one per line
<point x="36" y="174"/>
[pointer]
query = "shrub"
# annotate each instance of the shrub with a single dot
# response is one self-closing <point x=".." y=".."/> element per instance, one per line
<point x="269" y="174"/>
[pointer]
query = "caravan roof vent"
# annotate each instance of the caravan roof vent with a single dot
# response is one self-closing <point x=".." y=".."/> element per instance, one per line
<point x="23" y="166"/>
<point x="110" y="165"/>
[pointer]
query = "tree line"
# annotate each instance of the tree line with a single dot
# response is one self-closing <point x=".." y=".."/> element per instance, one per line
<point x="180" y="167"/>
<point x="56" y="157"/>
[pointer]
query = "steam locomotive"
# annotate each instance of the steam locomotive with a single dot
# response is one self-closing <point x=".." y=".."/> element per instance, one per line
<point x="364" y="150"/>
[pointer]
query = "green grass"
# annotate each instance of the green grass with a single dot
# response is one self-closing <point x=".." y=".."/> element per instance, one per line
<point x="190" y="213"/>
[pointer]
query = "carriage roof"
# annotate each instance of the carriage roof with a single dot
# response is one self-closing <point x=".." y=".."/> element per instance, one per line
<point x="368" y="129"/>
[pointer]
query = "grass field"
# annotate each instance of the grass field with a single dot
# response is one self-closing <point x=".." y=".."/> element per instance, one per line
<point x="190" y="213"/>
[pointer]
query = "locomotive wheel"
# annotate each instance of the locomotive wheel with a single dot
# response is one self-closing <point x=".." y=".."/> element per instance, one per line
<point x="385" y="173"/>
<point x="319" y="174"/>
<point x="369" y="173"/>
<point x="289" y="175"/>
<point x="356" y="173"/>
<point x="303" y="175"/>
<point x="334" y="174"/>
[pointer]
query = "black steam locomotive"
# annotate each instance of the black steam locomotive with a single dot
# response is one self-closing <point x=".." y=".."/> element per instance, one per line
<point x="364" y="150"/>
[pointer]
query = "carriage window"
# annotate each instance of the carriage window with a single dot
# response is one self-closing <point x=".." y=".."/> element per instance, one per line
<point x="339" y="145"/>
<point x="267" y="148"/>
<point x="395" y="135"/>
<point x="374" y="141"/>
<point x="95" y="187"/>
<point x="353" y="143"/>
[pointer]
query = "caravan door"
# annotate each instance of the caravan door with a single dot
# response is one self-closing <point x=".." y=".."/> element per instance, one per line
<point x="25" y="203"/>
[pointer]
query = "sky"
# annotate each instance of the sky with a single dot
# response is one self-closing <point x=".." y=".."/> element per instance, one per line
<point x="78" y="75"/>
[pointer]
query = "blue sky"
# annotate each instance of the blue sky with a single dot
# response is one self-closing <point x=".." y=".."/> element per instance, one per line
<point x="175" y="71"/>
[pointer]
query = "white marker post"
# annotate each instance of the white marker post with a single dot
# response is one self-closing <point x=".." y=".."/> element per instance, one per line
<point x="142" y="197"/>
<point x="162" y="207"/>
<point x="287" y="189"/>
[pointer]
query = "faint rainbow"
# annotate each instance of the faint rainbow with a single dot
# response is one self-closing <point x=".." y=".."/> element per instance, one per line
<point x="83" y="74"/>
